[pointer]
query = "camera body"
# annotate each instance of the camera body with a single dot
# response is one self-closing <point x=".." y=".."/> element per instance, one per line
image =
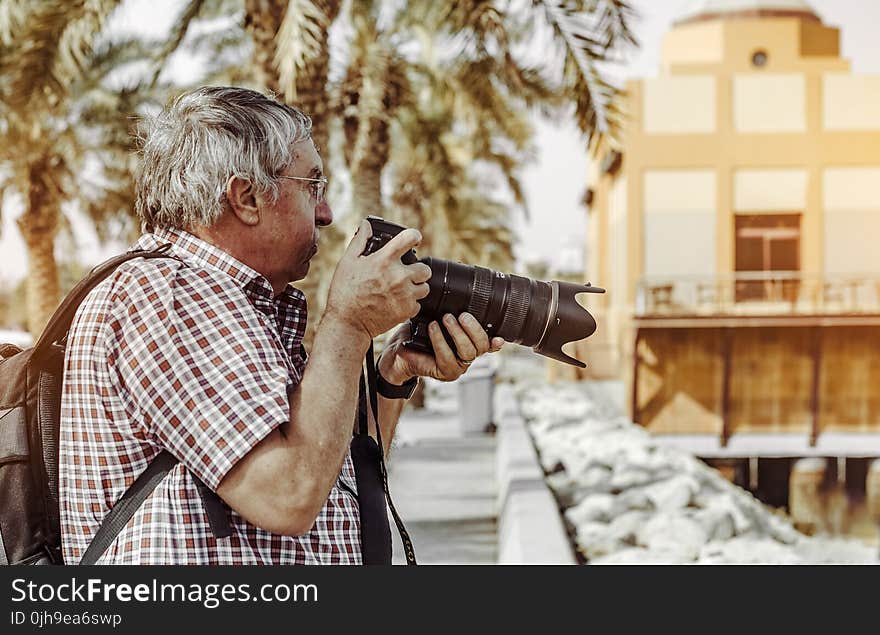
<point x="384" y="231"/>
<point x="543" y="315"/>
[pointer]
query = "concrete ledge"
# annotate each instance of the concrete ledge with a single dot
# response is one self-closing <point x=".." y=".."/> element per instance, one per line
<point x="530" y="529"/>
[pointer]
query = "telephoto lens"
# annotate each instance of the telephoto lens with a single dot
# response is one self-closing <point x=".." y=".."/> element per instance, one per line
<point x="542" y="315"/>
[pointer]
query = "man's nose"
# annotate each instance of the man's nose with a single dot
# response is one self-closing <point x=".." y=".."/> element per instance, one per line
<point x="323" y="214"/>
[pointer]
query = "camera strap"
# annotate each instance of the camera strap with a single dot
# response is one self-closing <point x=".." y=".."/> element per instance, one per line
<point x="372" y="479"/>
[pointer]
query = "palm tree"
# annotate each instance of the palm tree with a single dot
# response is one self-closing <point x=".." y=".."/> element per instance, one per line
<point x="291" y="57"/>
<point x="467" y="82"/>
<point x="67" y="134"/>
<point x="44" y="47"/>
<point x="437" y="118"/>
<point x="292" y="54"/>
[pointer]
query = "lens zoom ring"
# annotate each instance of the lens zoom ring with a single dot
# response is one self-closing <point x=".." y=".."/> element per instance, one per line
<point x="478" y="304"/>
<point x="517" y="310"/>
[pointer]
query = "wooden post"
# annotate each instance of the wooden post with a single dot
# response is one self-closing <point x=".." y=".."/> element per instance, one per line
<point x="814" y="401"/>
<point x="635" y="377"/>
<point x="726" y="352"/>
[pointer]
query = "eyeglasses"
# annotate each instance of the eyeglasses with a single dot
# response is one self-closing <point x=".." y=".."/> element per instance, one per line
<point x="318" y="187"/>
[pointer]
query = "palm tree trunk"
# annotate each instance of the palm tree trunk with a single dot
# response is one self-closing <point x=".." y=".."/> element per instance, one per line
<point x="311" y="85"/>
<point x="367" y="171"/>
<point x="39" y="226"/>
<point x="262" y="20"/>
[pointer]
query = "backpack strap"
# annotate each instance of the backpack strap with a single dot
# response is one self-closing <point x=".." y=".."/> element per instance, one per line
<point x="59" y="323"/>
<point x="125" y="507"/>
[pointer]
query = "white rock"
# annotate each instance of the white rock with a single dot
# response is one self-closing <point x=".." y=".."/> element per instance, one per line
<point x="726" y="504"/>
<point x="630" y="477"/>
<point x="592" y="508"/>
<point x="631" y="499"/>
<point x="717" y="523"/>
<point x="672" y="532"/>
<point x="594" y="477"/>
<point x="668" y="499"/>
<point x="594" y="540"/>
<point x="625" y="527"/>
<point x="674" y="493"/>
<point x="559" y="481"/>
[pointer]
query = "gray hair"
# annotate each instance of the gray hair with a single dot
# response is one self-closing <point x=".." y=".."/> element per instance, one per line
<point x="203" y="137"/>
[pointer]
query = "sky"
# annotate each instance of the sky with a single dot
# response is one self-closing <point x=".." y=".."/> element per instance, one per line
<point x="556" y="180"/>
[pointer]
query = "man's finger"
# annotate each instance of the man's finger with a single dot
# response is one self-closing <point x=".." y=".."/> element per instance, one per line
<point x="475" y="332"/>
<point x="422" y="291"/>
<point x="464" y="347"/>
<point x="420" y="272"/>
<point x="402" y="243"/>
<point x="444" y="357"/>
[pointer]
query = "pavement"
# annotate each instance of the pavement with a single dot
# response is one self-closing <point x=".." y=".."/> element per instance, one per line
<point x="443" y="484"/>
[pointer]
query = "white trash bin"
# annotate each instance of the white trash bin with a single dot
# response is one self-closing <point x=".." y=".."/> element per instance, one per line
<point x="476" y="390"/>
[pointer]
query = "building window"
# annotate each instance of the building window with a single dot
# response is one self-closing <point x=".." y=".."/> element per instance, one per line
<point x="766" y="243"/>
<point x="759" y="58"/>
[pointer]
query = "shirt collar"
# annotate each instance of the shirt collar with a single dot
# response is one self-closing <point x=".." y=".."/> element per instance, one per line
<point x="201" y="253"/>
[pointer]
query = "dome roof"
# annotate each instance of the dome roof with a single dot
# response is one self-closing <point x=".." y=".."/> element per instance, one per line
<point x="699" y="10"/>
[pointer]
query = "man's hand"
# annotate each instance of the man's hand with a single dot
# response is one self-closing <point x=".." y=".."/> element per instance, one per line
<point x="377" y="292"/>
<point x="398" y="364"/>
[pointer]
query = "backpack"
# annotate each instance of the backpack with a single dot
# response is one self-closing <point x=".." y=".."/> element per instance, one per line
<point x="30" y="412"/>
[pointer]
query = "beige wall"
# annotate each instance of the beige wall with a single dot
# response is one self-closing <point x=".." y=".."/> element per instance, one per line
<point x="679" y="222"/>
<point x="694" y="43"/>
<point x="769" y="103"/>
<point x="851" y="189"/>
<point x="678" y="191"/>
<point x="618" y="281"/>
<point x="850" y="102"/>
<point x="851" y="200"/>
<point x="770" y="191"/>
<point x="679" y="105"/>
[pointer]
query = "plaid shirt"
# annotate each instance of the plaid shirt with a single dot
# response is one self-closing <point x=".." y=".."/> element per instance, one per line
<point x="196" y="357"/>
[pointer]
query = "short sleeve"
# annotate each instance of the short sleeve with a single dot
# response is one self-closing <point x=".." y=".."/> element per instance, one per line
<point x="200" y="365"/>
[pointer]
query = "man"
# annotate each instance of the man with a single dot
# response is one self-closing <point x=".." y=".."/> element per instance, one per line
<point x="201" y="356"/>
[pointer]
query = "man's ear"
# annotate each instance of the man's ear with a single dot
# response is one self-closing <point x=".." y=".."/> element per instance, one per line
<point x="242" y="200"/>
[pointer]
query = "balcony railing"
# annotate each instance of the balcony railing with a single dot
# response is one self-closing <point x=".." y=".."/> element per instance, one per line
<point x="759" y="293"/>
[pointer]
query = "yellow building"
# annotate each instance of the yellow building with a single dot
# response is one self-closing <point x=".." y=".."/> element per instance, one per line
<point x="734" y="228"/>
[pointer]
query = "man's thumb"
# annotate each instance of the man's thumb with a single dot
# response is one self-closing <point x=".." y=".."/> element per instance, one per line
<point x="361" y="236"/>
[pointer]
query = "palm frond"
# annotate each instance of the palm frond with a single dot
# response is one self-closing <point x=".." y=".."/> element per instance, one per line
<point x="301" y="37"/>
<point x="587" y="34"/>
<point x="173" y="42"/>
<point x="50" y="49"/>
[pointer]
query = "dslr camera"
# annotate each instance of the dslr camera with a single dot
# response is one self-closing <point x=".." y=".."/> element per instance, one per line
<point x="542" y="315"/>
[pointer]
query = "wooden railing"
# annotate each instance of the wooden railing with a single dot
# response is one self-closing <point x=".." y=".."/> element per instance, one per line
<point x="759" y="293"/>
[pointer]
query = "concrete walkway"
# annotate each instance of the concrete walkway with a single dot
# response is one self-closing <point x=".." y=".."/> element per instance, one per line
<point x="443" y="484"/>
<point x="471" y="497"/>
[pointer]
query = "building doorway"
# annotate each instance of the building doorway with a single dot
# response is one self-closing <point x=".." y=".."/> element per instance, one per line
<point x="765" y="243"/>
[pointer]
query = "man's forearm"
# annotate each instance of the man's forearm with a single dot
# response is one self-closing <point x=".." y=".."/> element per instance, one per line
<point x="324" y="404"/>
<point x="389" y="415"/>
<point x="283" y="482"/>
